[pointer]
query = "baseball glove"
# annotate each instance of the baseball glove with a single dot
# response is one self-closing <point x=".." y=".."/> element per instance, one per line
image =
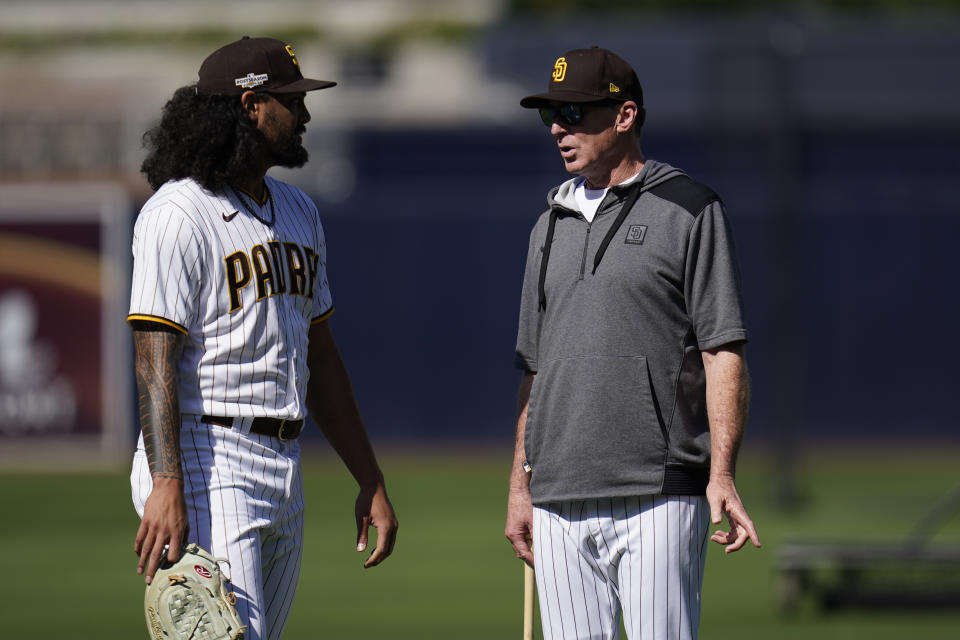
<point x="188" y="600"/>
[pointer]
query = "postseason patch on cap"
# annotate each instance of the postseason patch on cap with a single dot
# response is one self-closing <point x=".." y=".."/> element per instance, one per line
<point x="260" y="64"/>
<point x="251" y="80"/>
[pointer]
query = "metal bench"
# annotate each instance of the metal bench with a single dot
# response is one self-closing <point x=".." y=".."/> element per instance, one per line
<point x="915" y="573"/>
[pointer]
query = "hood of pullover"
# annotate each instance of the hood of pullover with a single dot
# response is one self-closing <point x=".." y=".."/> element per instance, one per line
<point x="652" y="174"/>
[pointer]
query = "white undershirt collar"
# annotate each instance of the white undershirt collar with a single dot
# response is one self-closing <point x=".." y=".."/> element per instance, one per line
<point x="588" y="200"/>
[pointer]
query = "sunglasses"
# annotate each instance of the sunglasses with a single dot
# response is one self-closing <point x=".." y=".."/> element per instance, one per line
<point x="569" y="114"/>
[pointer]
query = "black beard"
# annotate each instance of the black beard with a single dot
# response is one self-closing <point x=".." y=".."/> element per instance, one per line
<point x="287" y="153"/>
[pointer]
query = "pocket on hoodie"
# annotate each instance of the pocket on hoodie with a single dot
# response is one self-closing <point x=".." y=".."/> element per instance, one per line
<point x="594" y="412"/>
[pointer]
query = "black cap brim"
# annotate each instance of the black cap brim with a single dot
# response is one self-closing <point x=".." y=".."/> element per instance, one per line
<point x="302" y="85"/>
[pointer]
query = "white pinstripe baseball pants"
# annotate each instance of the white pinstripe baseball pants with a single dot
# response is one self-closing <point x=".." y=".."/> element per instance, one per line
<point x="643" y="556"/>
<point x="244" y="497"/>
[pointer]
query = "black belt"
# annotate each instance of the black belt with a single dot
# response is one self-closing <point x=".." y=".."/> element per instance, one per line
<point x="274" y="427"/>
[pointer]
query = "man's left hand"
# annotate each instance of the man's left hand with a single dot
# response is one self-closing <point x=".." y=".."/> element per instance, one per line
<point x="724" y="500"/>
<point x="373" y="508"/>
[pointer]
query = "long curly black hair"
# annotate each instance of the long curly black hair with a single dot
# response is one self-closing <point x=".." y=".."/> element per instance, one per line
<point x="207" y="138"/>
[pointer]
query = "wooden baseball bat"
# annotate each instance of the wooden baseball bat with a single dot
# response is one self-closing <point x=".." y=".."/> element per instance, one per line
<point x="528" y="586"/>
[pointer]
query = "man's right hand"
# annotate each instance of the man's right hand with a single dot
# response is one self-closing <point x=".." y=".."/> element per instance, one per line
<point x="164" y="524"/>
<point x="519" y="529"/>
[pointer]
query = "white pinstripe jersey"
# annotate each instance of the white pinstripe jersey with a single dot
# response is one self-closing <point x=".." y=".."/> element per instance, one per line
<point x="243" y="281"/>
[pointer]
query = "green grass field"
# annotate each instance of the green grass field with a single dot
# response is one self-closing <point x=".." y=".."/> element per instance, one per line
<point x="68" y="568"/>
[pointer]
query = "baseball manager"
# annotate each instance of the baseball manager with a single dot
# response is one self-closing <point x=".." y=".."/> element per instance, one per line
<point x="634" y="392"/>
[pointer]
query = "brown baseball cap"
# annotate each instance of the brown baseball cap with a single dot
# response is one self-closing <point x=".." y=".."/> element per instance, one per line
<point x="257" y="64"/>
<point x="588" y="75"/>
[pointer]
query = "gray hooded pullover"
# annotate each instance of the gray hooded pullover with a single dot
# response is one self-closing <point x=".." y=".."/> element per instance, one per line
<point x="613" y="328"/>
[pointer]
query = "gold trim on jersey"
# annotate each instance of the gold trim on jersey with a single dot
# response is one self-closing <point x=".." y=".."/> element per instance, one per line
<point x="170" y="323"/>
<point x="323" y="316"/>
<point x="260" y="202"/>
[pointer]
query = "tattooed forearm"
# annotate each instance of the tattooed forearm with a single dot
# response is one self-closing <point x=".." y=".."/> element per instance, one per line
<point x="158" y="351"/>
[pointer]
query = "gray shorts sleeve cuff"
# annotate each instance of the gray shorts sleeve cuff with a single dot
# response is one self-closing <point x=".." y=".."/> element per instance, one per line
<point x="734" y="335"/>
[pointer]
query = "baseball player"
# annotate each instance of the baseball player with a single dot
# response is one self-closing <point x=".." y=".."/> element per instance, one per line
<point x="229" y="308"/>
<point x="634" y="392"/>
